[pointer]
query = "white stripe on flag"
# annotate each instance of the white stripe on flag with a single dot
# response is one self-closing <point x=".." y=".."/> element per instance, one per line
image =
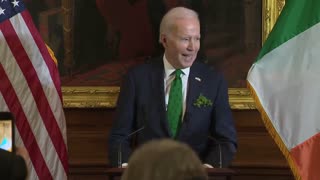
<point x="3" y="107"/>
<point x="30" y="109"/>
<point x="42" y="70"/>
<point x="19" y="143"/>
<point x="291" y="69"/>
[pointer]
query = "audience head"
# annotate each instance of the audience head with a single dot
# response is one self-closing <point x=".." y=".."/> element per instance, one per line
<point x="180" y="36"/>
<point x="164" y="160"/>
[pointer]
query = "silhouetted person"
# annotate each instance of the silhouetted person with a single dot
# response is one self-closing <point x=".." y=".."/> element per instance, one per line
<point x="12" y="166"/>
<point x="164" y="160"/>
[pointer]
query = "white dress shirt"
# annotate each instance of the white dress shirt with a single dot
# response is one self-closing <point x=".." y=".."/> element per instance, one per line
<point x="168" y="79"/>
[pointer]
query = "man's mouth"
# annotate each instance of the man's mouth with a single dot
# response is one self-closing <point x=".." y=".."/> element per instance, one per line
<point x="186" y="55"/>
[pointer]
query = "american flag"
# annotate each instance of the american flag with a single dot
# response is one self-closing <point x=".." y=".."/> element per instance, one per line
<point x="30" y="89"/>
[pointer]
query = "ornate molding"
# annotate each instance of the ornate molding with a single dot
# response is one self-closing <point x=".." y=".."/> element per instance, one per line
<point x="270" y="12"/>
<point x="106" y="96"/>
<point x="240" y="99"/>
<point x="90" y="96"/>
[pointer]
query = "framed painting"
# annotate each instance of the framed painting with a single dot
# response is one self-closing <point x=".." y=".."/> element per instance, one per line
<point x="96" y="42"/>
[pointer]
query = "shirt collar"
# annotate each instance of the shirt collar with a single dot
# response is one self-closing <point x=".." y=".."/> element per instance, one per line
<point x="169" y="69"/>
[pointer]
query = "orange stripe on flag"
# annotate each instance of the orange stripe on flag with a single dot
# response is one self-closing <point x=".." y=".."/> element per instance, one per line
<point x="307" y="158"/>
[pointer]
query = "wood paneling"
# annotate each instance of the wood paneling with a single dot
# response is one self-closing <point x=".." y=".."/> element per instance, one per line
<point x="258" y="156"/>
<point x="256" y="147"/>
<point x="88" y="131"/>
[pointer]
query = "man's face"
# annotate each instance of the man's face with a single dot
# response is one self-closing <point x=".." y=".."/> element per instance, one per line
<point x="182" y="43"/>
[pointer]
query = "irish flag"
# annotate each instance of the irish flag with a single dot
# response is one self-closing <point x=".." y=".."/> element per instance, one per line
<point x="285" y="81"/>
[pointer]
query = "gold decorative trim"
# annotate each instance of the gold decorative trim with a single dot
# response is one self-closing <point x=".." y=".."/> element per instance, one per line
<point x="240" y="99"/>
<point x="90" y="96"/>
<point x="271" y="10"/>
<point x="106" y="96"/>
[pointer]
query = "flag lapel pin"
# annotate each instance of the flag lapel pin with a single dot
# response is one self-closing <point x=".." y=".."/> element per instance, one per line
<point x="198" y="79"/>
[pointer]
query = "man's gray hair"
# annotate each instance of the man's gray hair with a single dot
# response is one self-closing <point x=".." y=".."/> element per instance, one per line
<point x="168" y="20"/>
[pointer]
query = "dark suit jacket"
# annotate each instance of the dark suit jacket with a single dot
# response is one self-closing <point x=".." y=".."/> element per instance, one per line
<point x="12" y="166"/>
<point x="141" y="103"/>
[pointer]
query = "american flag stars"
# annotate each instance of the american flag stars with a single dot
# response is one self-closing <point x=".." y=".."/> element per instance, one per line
<point x="2" y="11"/>
<point x="3" y="4"/>
<point x="15" y="3"/>
<point x="9" y="8"/>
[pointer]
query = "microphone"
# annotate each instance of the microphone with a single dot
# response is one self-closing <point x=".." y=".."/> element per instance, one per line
<point x="219" y="147"/>
<point x="186" y="120"/>
<point x="121" y="142"/>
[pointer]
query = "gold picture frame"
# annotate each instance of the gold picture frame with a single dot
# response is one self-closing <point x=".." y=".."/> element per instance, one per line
<point x="106" y="96"/>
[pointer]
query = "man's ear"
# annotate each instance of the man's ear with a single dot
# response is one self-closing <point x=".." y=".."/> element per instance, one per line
<point x="163" y="40"/>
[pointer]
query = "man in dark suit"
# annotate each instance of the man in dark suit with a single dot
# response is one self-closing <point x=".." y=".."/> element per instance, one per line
<point x="201" y="116"/>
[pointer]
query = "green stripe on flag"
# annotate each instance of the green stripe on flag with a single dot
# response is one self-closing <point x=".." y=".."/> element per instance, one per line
<point x="296" y="17"/>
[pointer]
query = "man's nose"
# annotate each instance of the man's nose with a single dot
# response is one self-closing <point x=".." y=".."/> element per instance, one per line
<point x="191" y="45"/>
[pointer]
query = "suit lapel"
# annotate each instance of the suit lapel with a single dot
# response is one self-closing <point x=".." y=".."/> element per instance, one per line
<point x="195" y="83"/>
<point x="157" y="81"/>
<point x="194" y="89"/>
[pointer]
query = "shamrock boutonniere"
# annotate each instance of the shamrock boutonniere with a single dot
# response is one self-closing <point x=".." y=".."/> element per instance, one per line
<point x="202" y="101"/>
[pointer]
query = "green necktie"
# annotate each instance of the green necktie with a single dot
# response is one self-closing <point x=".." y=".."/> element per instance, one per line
<point x="174" y="109"/>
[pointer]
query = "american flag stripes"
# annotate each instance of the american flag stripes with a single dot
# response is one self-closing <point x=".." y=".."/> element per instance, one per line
<point x="30" y="89"/>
